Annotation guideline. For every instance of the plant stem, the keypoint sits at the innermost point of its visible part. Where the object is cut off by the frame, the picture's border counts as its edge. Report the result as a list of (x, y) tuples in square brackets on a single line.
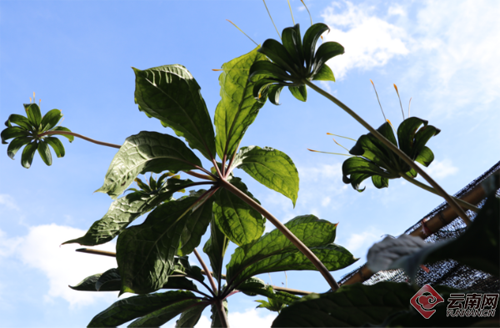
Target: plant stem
[(462, 203), (209, 274), (285, 231), (396, 150), (81, 137), (222, 313)]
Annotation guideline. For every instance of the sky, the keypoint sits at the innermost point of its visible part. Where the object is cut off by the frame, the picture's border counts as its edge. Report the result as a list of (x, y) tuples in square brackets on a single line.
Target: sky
[(77, 57)]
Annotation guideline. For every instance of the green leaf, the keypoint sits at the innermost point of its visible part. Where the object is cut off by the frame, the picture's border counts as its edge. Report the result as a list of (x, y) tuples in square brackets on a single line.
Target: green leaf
[(255, 286), (215, 248), (334, 257), (406, 133), (190, 317), (279, 55), (179, 283), (241, 223), (146, 152), (350, 306), (380, 182), (34, 115), (57, 145), (310, 39), (425, 157), (182, 266), (89, 284), (309, 229), (50, 119), (28, 153), (271, 167), (360, 169), (110, 277), (477, 247), (164, 315), (62, 128), (299, 92), (142, 185), (237, 108), (292, 42), (267, 69), (122, 212), (274, 94), (324, 74), (145, 253), (13, 132), (19, 120), (171, 94), (17, 144), (137, 306), (44, 152), (325, 52)]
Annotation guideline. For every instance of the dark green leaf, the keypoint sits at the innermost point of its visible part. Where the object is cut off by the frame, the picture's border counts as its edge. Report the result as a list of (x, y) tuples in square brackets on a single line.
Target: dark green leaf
[(299, 92), (110, 277), (62, 128), (89, 284), (237, 108), (146, 152), (350, 306), (17, 144), (254, 286), (121, 213), (309, 229), (271, 167), (19, 120), (164, 315), (171, 94), (57, 145), (180, 283), (268, 69), (380, 182), (215, 248), (28, 153), (292, 42), (50, 119), (421, 137), (324, 74), (34, 115), (325, 52), (13, 132), (182, 266), (152, 182), (241, 223), (359, 169), (142, 185), (279, 55), (44, 152), (310, 38), (191, 316), (406, 133), (137, 306), (274, 94), (425, 157), (145, 253)]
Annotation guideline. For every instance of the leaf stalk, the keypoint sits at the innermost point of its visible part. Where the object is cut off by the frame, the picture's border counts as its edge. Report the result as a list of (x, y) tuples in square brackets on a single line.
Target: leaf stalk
[(81, 137)]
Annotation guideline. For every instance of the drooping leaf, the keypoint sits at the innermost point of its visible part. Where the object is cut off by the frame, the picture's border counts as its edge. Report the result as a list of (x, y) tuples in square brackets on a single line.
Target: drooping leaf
[(279, 55), (146, 152), (350, 306), (145, 253), (28, 153), (19, 120), (311, 37), (123, 211), (309, 229), (62, 128), (300, 92), (13, 132), (171, 94), (215, 248), (292, 42), (57, 145), (190, 317), (325, 52), (241, 223), (167, 313), (89, 285), (237, 108), (110, 277), (477, 247), (17, 144), (44, 152), (271, 167), (324, 74), (137, 306)]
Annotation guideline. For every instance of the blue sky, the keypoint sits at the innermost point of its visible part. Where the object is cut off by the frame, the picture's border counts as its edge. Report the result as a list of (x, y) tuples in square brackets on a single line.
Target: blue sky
[(77, 57)]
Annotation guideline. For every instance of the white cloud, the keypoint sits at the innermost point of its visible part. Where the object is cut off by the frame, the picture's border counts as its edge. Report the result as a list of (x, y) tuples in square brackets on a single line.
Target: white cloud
[(8, 201), (441, 169), (369, 41), (62, 266), (363, 239)]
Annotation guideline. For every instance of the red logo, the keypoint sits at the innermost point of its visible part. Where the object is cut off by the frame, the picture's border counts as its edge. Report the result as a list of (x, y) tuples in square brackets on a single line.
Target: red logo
[(425, 300)]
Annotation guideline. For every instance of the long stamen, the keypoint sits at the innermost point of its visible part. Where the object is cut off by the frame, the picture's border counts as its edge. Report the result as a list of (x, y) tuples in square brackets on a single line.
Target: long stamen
[(307, 11), (242, 32), (409, 104), (271, 19), (331, 134), (379, 100), (325, 152), (339, 144), (400, 104), (291, 13)]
